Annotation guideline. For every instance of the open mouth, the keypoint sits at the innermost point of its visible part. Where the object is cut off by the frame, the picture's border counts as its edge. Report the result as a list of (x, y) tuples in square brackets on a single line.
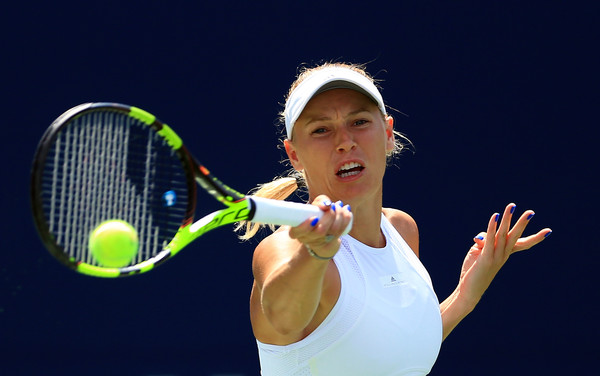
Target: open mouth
[(350, 169)]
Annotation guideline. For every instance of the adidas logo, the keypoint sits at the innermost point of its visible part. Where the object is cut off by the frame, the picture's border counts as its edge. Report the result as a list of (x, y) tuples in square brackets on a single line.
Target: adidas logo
[(390, 280)]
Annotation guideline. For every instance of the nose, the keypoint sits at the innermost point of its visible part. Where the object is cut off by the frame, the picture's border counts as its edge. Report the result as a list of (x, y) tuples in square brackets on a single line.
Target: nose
[(345, 140)]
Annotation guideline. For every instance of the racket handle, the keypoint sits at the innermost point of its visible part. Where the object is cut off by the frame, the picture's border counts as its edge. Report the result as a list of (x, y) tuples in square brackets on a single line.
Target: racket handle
[(280, 212)]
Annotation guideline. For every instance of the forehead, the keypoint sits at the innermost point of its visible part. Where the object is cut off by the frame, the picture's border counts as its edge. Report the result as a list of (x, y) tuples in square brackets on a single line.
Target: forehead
[(339, 99)]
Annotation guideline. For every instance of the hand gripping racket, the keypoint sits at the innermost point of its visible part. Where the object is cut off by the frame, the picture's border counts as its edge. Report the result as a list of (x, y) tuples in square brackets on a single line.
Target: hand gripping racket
[(101, 161)]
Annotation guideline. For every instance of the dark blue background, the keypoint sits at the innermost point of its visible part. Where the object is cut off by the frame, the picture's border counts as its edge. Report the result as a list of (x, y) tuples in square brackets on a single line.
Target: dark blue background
[(501, 99)]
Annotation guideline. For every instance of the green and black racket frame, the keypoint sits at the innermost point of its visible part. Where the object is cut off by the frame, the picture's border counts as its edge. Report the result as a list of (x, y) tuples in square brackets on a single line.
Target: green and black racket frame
[(103, 161)]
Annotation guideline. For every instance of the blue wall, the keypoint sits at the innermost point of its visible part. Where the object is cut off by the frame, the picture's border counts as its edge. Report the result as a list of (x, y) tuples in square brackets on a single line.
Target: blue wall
[(499, 97)]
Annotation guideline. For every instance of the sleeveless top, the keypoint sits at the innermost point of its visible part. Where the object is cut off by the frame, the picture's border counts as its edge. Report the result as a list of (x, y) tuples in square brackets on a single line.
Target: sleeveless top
[(386, 320)]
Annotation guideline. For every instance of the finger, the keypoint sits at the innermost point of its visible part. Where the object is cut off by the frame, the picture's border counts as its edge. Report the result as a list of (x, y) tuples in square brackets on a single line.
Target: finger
[(480, 239), (475, 250), (502, 235), (490, 236), (325, 237), (323, 202), (323, 226), (345, 219), (529, 241), (342, 218), (518, 229), (304, 228)]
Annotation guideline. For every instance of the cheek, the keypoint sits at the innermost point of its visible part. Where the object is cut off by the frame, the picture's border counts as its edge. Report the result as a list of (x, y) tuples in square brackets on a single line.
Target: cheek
[(381, 143), (315, 162), (311, 162)]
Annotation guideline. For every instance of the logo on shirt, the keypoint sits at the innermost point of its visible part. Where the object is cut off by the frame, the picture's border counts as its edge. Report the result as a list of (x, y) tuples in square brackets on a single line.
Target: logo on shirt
[(390, 280)]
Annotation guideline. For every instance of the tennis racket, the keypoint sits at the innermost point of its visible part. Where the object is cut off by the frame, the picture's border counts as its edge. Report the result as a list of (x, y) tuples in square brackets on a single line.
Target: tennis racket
[(102, 161)]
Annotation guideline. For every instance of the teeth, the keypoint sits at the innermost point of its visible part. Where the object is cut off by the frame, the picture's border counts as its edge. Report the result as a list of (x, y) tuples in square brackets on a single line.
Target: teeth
[(349, 166), (346, 174), (344, 170)]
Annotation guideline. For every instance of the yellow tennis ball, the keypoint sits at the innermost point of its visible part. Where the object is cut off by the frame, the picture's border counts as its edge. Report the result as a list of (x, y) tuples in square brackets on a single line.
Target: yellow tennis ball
[(114, 243)]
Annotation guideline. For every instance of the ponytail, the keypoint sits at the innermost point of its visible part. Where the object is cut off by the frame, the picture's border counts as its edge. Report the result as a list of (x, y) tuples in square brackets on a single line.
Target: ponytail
[(279, 189)]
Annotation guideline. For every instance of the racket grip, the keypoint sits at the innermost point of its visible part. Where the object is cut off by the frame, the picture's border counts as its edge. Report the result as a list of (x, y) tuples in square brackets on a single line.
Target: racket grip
[(278, 212)]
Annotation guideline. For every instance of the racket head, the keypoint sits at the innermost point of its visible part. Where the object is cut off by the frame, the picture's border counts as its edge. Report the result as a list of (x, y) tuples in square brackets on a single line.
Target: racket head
[(103, 161)]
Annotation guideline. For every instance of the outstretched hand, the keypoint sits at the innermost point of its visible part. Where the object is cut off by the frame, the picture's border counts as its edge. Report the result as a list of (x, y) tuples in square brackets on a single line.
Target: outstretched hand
[(322, 235), (491, 251)]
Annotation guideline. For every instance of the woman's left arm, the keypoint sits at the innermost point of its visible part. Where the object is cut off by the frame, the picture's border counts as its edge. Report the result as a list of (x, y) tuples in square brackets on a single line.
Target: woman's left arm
[(486, 257)]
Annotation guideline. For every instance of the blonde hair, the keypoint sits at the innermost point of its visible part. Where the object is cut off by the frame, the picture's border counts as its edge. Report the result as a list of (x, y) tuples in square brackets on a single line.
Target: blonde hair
[(283, 186)]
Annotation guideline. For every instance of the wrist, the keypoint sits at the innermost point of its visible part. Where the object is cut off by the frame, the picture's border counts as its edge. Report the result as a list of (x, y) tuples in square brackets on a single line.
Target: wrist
[(464, 302), (315, 255)]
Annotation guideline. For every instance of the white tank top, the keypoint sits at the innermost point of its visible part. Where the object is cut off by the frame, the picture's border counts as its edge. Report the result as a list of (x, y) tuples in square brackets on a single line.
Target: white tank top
[(386, 320)]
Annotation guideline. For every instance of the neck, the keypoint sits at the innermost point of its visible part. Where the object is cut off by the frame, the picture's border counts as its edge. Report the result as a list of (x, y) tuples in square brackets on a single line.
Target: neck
[(366, 210), (366, 227)]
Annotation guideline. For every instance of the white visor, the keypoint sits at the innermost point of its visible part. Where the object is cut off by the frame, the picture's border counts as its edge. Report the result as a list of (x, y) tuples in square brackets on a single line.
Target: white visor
[(323, 80)]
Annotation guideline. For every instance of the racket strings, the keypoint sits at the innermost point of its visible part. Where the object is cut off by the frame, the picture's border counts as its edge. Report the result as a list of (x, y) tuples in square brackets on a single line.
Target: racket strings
[(107, 165)]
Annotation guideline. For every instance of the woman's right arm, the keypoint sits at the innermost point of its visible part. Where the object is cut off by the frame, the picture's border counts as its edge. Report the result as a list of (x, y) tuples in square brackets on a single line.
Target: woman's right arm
[(294, 291)]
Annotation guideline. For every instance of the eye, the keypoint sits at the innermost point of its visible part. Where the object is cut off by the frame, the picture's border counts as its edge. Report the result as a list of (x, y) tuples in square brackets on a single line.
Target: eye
[(360, 122), (319, 130)]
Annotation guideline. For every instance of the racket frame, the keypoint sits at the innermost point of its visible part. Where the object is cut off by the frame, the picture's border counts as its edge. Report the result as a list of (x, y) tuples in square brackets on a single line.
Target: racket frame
[(239, 207)]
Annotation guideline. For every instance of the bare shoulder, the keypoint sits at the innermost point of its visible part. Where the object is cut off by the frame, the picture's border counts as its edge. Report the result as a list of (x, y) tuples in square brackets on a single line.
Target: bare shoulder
[(275, 249), (405, 225)]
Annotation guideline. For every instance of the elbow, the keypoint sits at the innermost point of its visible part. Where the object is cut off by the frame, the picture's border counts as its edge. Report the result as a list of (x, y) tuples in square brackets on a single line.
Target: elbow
[(287, 316), (286, 322)]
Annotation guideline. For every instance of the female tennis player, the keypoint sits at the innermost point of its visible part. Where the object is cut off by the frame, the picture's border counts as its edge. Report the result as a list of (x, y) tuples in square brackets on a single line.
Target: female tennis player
[(324, 303)]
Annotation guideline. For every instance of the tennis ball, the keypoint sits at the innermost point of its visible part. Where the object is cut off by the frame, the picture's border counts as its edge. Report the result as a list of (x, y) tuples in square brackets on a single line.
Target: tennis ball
[(114, 243)]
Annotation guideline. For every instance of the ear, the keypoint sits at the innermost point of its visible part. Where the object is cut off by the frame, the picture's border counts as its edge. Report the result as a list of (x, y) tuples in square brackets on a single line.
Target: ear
[(389, 131), (292, 155)]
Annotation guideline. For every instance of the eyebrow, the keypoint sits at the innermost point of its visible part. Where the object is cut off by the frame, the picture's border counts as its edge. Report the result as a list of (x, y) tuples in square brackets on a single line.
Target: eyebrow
[(325, 118)]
